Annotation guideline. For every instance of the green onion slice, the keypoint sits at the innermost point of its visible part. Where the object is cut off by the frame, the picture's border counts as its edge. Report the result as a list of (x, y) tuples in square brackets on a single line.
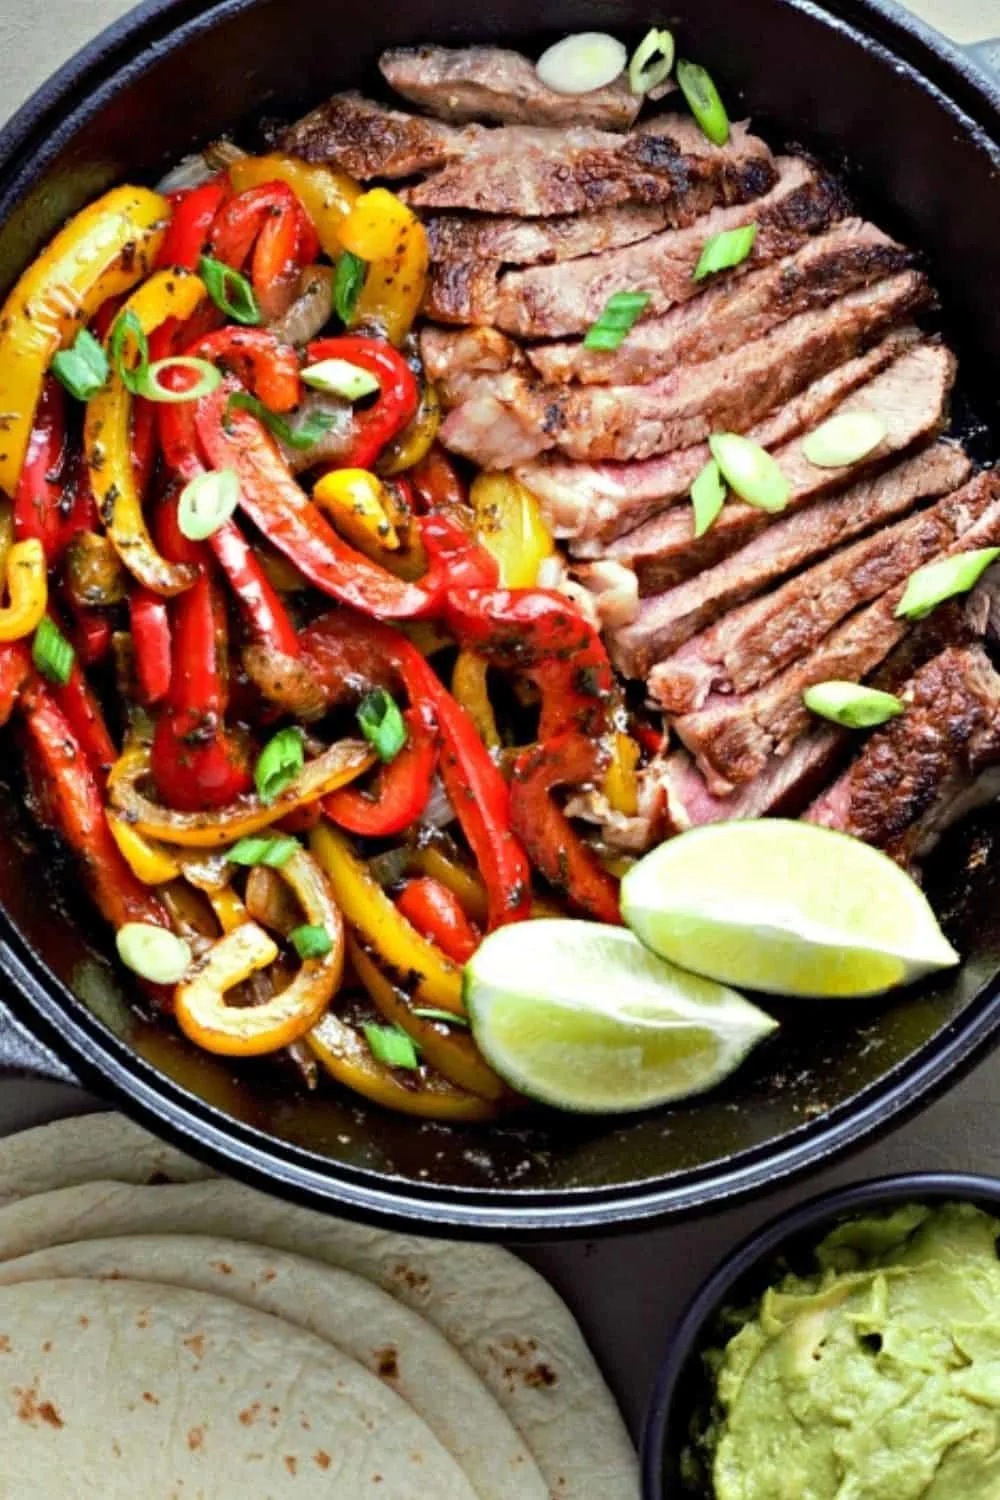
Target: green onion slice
[(844, 440), (279, 763), (52, 653), (229, 290), (705, 101), (725, 250), (581, 63), (207, 502), (306, 435), (652, 61), (128, 334), (391, 1045), (620, 315), (83, 368), (708, 496), (932, 584), (750, 471), (258, 849), (151, 380), (381, 723), (851, 705), (348, 279), (431, 1013), (154, 953), (310, 941), (340, 378)]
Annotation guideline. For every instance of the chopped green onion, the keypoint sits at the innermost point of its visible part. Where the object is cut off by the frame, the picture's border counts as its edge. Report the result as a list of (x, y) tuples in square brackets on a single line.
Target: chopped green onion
[(207, 502), (932, 584), (258, 849), (128, 329), (708, 496), (844, 440), (229, 290), (381, 723), (52, 653), (83, 368), (391, 1045), (279, 763), (306, 435), (340, 378), (725, 250), (310, 941), (431, 1013), (651, 61), (582, 63), (851, 705), (750, 471), (154, 953), (151, 380), (348, 279), (705, 101), (620, 315)]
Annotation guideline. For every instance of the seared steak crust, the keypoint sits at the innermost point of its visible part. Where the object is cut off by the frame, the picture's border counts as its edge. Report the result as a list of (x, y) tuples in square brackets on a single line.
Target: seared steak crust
[(458, 238), (368, 139)]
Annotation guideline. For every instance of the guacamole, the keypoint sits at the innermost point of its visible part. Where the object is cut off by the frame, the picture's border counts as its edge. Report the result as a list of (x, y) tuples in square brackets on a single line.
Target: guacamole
[(877, 1377)]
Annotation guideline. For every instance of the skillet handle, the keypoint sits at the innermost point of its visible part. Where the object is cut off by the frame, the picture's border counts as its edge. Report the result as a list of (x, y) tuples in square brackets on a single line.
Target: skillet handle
[(24, 1056)]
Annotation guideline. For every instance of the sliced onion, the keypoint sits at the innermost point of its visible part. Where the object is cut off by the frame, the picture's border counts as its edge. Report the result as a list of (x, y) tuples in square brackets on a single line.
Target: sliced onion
[(207, 503), (582, 63), (844, 440), (652, 61), (338, 377), (311, 310)]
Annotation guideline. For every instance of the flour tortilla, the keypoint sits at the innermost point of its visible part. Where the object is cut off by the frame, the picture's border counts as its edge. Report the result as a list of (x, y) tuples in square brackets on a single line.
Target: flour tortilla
[(343, 1309), (504, 1319), (117, 1389), (90, 1148)]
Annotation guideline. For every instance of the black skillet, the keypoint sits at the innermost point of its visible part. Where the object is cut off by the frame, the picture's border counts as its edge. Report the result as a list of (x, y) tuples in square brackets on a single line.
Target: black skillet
[(916, 127)]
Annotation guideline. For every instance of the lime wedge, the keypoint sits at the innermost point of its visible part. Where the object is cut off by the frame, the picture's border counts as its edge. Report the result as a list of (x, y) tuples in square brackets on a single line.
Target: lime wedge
[(787, 908), (583, 1017)]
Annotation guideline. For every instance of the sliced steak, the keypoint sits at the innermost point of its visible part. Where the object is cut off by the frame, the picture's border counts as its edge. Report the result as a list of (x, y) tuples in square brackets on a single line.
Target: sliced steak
[(550, 302), (594, 503), (682, 681), (733, 311), (457, 360), (368, 139), (459, 238), (930, 767), (785, 786), (492, 83), (911, 395)]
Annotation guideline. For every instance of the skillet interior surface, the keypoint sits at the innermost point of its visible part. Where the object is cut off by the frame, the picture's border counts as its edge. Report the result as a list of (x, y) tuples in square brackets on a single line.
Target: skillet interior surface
[(179, 74)]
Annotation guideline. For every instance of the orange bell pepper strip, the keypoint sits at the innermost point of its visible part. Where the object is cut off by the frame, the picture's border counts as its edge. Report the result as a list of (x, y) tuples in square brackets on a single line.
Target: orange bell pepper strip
[(103, 251), (326, 194)]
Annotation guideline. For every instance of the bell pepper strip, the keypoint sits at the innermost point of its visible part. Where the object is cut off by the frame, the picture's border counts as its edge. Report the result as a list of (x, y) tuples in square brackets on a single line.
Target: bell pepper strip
[(509, 524), (15, 670), (465, 884), (258, 359), (620, 786), (78, 701), (438, 488), (37, 498), (554, 846), (252, 1031), (355, 500), (107, 440), (91, 635), (228, 908), (437, 912), (276, 264), (417, 438), (402, 789), (397, 401), (456, 562), (192, 215), (469, 686), (149, 862), (394, 287), (239, 223), (372, 228), (338, 765), (27, 587), (258, 597), (151, 640), (326, 194), (104, 250)]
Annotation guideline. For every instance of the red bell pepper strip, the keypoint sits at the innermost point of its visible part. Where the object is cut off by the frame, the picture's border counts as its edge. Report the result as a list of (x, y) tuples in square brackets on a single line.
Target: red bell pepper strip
[(402, 788), (259, 361), (397, 401), (15, 670), (554, 846), (240, 221), (191, 221), (100, 323), (151, 641), (456, 561), (438, 485), (248, 580), (437, 913), (91, 634), (79, 703), (37, 500)]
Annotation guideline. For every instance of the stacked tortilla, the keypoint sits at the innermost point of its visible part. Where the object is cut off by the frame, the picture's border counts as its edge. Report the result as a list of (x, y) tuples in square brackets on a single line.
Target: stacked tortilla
[(195, 1338)]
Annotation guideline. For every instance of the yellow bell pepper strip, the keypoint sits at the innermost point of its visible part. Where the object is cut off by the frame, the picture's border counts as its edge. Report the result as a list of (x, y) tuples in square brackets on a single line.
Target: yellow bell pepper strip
[(449, 1049), (354, 499), (228, 908), (620, 785), (27, 585), (372, 228), (148, 862), (107, 436), (395, 284), (6, 534), (469, 686), (462, 881), (438, 983), (104, 251), (252, 1031), (509, 524), (341, 763), (347, 1058), (416, 439), (326, 194)]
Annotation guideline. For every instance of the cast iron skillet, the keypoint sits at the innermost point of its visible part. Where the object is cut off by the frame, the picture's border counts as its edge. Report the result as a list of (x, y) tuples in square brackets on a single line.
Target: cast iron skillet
[(916, 126)]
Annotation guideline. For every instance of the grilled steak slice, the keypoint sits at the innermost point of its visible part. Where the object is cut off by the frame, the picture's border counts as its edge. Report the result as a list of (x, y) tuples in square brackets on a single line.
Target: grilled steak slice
[(930, 767), (547, 302), (462, 361), (492, 83), (733, 738), (734, 311), (594, 503), (911, 395), (783, 789), (747, 645), (666, 621), (368, 139), (536, 242)]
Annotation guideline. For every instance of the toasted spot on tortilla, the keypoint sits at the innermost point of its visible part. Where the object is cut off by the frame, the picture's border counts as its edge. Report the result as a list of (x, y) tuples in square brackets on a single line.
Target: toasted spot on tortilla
[(196, 1438), (387, 1362), (323, 1460), (196, 1343)]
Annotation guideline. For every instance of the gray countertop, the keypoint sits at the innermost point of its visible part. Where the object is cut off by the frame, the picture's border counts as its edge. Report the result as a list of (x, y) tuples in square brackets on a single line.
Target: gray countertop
[(627, 1290)]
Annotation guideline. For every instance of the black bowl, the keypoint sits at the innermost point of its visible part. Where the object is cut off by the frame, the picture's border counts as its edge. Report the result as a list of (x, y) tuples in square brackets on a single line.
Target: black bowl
[(916, 127), (682, 1393)]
